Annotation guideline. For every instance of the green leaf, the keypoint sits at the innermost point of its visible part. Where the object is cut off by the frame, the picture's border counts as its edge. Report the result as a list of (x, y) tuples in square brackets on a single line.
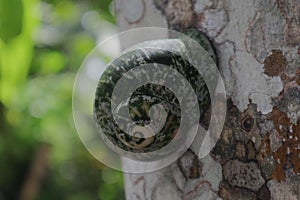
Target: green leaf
[(16, 54), (50, 62), (11, 15)]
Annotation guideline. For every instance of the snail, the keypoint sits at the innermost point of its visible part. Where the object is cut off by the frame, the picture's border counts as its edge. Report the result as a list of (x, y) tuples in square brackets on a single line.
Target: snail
[(154, 110)]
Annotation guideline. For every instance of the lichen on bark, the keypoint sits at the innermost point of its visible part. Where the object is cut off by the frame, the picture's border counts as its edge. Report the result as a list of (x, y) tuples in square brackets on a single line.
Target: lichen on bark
[(257, 45)]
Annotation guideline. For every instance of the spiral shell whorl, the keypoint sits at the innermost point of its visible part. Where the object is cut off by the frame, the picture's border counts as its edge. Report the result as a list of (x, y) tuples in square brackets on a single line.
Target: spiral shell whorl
[(151, 52)]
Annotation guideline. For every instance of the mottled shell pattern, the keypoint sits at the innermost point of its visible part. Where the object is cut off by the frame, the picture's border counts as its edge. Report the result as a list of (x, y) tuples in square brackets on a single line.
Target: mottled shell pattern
[(144, 137)]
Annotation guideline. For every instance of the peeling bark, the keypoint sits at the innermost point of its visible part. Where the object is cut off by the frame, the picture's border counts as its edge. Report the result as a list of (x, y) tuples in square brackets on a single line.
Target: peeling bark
[(257, 43)]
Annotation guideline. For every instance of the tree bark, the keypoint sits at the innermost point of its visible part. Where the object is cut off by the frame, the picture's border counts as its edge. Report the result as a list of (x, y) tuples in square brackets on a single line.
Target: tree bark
[(36, 174), (258, 154)]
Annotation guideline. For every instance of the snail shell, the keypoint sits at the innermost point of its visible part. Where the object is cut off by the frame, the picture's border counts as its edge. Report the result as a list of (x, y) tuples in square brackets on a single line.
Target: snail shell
[(144, 136)]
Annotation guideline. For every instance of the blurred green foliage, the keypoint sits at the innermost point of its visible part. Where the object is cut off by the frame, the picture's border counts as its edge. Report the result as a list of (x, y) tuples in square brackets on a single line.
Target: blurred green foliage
[(42, 45), (10, 26)]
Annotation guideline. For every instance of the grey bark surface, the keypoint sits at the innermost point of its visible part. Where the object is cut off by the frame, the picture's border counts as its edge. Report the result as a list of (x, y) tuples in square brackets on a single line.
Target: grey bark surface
[(258, 49)]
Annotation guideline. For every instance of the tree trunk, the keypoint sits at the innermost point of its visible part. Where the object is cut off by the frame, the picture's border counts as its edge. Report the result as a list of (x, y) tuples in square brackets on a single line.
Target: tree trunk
[(258, 154)]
